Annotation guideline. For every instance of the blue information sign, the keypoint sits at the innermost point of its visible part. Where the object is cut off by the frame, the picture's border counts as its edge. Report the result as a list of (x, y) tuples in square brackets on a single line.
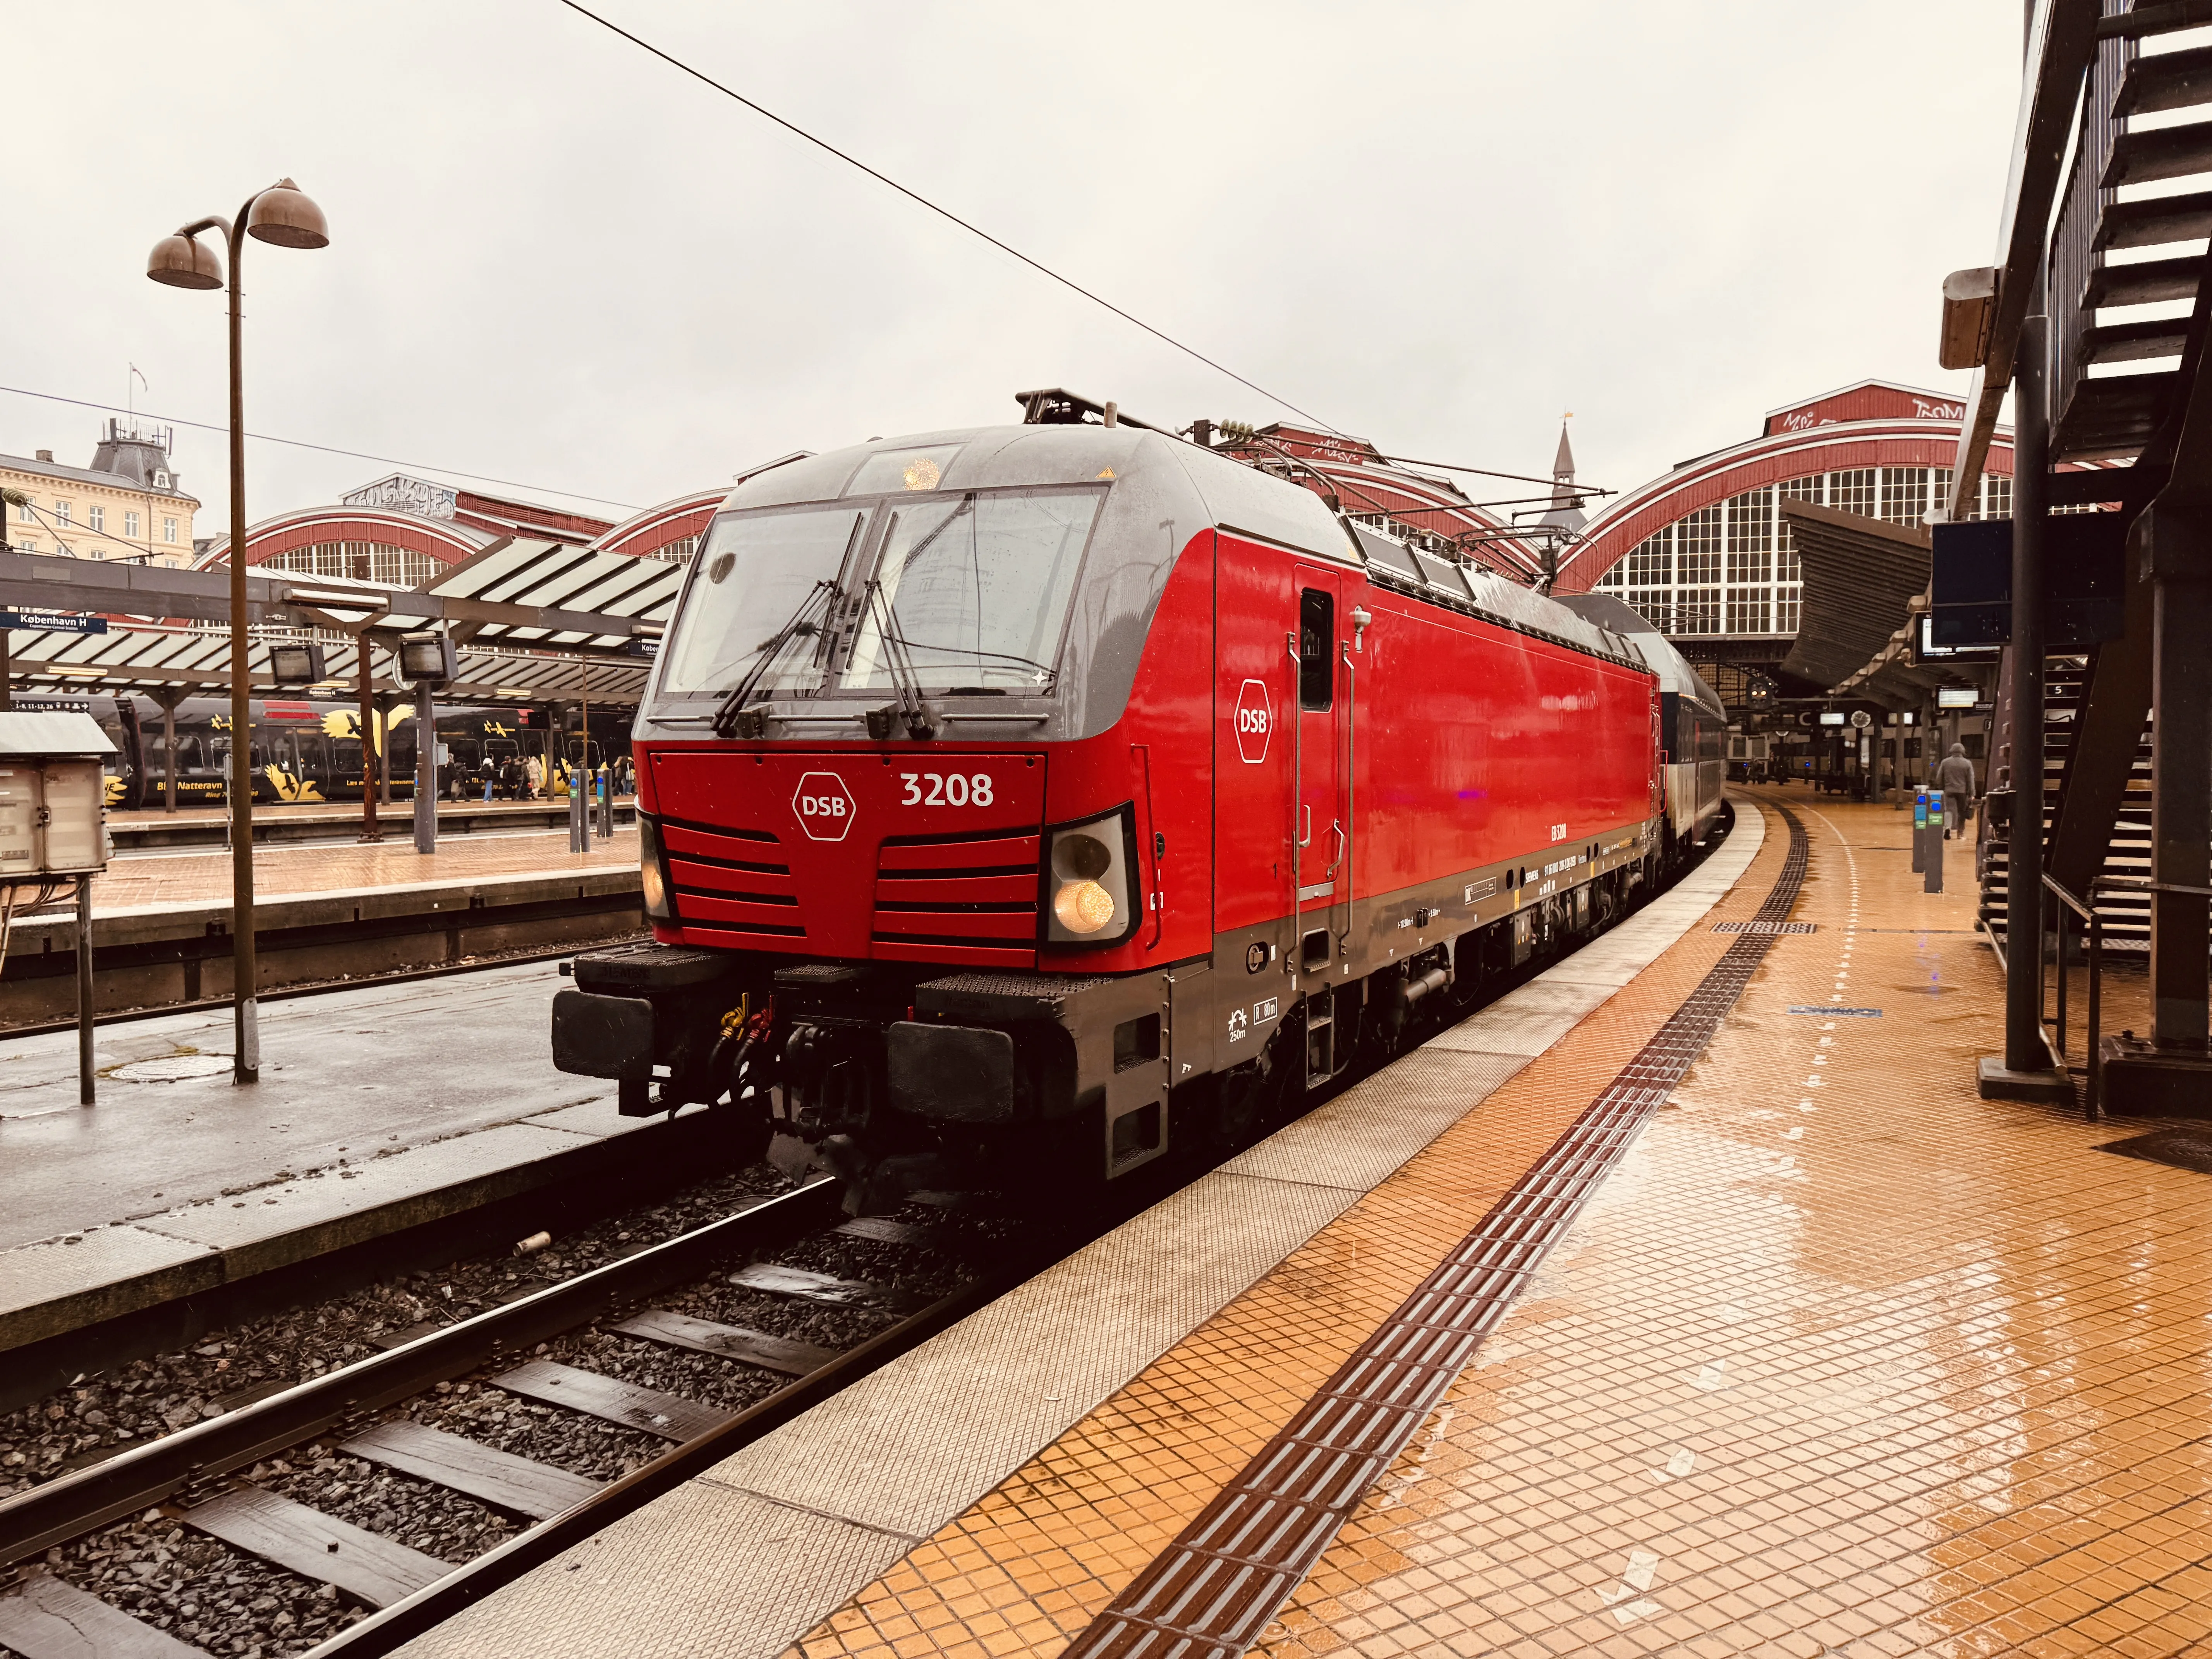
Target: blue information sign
[(54, 622)]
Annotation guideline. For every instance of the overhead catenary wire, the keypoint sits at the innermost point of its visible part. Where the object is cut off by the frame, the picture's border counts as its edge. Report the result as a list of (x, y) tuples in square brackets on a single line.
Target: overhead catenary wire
[(920, 200), (326, 449), (1517, 477)]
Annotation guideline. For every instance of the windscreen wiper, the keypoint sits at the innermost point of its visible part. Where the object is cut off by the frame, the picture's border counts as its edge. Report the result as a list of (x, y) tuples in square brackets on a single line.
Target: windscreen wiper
[(909, 710), (1048, 675), (732, 718)]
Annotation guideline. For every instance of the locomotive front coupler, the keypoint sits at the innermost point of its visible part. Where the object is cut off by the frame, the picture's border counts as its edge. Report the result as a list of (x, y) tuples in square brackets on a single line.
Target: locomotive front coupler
[(651, 1017)]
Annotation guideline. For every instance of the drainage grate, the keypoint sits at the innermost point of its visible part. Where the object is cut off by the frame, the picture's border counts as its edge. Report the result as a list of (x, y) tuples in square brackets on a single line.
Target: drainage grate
[(1212, 1591), (2185, 1149), (1766, 928)]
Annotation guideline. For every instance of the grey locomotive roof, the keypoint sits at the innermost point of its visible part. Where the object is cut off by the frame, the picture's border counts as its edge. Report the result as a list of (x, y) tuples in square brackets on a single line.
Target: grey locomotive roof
[(1673, 668), (1207, 487), (1164, 491)]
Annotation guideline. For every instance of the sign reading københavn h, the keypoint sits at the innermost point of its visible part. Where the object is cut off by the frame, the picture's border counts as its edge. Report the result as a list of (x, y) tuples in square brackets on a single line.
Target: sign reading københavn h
[(54, 622)]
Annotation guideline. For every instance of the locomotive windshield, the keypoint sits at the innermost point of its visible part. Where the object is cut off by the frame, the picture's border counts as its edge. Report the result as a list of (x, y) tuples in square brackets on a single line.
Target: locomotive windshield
[(973, 589), (754, 574)]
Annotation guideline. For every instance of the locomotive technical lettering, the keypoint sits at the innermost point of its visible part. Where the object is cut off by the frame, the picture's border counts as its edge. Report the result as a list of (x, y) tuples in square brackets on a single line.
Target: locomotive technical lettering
[(950, 956)]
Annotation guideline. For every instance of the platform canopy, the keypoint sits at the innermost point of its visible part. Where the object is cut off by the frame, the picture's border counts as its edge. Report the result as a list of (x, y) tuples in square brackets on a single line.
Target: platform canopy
[(158, 661), (535, 621), (1866, 581)]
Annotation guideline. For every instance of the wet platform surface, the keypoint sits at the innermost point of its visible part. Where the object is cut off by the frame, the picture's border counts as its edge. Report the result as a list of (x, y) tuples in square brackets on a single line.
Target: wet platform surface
[(354, 1075), (202, 876), (1156, 1357), (1842, 1359)]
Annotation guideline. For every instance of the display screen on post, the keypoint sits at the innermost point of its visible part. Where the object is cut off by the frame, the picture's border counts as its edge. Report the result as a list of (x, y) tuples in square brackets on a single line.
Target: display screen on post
[(1956, 696)]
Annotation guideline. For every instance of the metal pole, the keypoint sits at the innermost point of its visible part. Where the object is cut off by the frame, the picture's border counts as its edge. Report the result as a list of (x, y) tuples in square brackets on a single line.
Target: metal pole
[(169, 747), (246, 1029), (426, 768), (6, 700), (2023, 1047), (2059, 915), (370, 830), (2093, 1105), (2181, 785), (84, 1079)]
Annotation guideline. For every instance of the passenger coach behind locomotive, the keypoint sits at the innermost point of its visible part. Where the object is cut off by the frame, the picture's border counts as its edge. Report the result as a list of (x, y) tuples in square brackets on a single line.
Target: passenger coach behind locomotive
[(1693, 721), (1024, 797)]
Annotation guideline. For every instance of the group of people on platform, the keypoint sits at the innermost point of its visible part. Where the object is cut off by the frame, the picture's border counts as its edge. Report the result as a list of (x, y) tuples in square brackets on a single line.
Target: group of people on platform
[(523, 777)]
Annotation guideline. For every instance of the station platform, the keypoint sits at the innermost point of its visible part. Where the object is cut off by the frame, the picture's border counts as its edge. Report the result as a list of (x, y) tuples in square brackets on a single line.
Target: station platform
[(336, 821), (202, 876), (1828, 1356), (161, 921), (378, 1110)]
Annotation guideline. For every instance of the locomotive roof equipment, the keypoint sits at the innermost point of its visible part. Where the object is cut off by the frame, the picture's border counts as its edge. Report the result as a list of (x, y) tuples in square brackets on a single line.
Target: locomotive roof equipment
[(1018, 799)]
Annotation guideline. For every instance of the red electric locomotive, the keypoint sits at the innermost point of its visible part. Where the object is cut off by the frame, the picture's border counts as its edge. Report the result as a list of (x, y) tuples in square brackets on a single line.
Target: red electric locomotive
[(1036, 795)]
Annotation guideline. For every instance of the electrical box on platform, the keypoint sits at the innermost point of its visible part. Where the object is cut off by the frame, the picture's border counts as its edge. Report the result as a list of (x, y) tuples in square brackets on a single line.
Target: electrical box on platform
[(53, 795)]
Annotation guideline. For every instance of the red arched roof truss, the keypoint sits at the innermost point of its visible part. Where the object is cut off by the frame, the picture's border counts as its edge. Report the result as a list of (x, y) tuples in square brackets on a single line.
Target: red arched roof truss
[(289, 531), (648, 531), (1829, 449)]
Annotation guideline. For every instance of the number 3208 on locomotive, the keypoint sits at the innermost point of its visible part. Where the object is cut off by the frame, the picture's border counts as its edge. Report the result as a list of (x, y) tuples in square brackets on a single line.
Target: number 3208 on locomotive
[(1015, 801)]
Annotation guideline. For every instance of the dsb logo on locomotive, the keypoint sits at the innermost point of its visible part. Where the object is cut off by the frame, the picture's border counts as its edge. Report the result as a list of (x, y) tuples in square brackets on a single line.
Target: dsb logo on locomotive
[(1254, 718), (824, 806)]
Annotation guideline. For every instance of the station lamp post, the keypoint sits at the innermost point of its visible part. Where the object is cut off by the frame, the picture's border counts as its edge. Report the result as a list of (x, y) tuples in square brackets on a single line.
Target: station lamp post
[(282, 215)]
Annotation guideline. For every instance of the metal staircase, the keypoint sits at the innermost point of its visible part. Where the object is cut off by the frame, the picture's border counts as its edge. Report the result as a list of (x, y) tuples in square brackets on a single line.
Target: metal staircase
[(2125, 914)]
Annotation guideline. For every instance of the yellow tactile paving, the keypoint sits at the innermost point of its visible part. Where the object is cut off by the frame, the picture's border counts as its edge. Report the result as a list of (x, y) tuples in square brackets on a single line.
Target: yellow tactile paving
[(1844, 1360), (1023, 1571)]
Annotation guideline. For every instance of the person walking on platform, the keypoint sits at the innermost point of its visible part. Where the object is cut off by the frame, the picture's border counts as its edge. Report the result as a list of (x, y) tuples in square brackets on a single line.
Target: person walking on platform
[(534, 776), (1955, 778)]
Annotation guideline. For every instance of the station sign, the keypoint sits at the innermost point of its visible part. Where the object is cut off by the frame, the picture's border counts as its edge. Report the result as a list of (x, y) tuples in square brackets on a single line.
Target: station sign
[(1970, 583), (54, 622)]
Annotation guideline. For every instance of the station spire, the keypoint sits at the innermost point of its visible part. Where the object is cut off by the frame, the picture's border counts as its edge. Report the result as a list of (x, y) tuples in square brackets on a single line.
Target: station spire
[(1566, 513)]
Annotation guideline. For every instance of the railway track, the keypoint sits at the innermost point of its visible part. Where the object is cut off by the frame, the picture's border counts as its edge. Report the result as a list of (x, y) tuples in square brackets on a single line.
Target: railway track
[(222, 1481), (245, 1533)]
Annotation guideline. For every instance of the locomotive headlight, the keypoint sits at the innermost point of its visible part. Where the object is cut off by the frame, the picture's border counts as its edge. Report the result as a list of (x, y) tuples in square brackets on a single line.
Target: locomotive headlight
[(1088, 877), (651, 879), (1083, 907)]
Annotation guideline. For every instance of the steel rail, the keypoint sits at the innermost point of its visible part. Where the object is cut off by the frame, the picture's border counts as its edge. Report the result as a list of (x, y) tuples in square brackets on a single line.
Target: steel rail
[(393, 1626), (131, 1481)]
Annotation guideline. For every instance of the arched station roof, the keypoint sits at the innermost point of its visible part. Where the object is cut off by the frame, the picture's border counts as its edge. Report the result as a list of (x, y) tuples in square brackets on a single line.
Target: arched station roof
[(286, 532), (674, 523), (1874, 423), (348, 534)]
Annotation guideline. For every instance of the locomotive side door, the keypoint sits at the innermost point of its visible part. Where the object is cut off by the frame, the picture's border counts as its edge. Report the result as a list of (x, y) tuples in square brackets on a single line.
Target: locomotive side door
[(1323, 835), (1254, 695), (1279, 827)]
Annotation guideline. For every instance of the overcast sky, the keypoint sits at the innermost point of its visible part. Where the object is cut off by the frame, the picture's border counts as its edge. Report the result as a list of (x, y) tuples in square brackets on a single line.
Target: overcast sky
[(556, 261)]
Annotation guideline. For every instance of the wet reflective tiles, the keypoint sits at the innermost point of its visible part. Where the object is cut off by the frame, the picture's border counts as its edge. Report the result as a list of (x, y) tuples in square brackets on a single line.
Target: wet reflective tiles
[(1842, 1358), (1027, 1569)]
